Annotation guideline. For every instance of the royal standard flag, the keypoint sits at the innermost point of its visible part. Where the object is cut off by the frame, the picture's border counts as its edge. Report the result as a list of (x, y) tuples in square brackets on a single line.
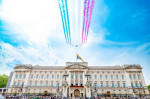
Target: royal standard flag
[(78, 57)]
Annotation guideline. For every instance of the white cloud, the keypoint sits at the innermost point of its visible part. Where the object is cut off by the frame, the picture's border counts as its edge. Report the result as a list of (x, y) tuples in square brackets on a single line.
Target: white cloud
[(35, 20)]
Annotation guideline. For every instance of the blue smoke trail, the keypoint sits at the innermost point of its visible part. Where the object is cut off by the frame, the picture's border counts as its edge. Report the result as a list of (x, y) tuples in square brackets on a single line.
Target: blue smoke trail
[(62, 20), (68, 23), (64, 15)]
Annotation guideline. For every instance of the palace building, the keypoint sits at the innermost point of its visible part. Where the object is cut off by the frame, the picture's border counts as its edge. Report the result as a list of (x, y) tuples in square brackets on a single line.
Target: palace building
[(77, 79)]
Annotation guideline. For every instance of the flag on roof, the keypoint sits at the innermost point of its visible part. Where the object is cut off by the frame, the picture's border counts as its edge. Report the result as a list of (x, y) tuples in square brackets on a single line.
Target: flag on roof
[(78, 57)]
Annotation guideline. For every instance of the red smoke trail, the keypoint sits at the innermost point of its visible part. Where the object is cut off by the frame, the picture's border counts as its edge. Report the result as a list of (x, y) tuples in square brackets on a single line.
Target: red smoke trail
[(87, 18), (91, 9), (84, 19)]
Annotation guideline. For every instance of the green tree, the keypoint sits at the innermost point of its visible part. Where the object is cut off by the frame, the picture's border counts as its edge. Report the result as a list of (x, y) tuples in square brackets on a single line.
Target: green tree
[(148, 87), (3, 80)]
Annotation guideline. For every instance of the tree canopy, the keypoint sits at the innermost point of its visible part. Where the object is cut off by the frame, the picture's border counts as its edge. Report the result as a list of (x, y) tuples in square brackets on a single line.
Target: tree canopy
[(148, 87), (3, 80)]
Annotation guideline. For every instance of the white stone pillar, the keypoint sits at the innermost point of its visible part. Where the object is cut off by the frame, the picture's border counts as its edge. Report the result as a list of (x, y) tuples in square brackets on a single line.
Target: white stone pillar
[(74, 78), (128, 81), (27, 79), (69, 78)]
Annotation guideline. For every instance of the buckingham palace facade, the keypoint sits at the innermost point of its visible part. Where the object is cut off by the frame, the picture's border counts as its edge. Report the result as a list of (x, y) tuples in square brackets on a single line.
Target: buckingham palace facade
[(77, 79)]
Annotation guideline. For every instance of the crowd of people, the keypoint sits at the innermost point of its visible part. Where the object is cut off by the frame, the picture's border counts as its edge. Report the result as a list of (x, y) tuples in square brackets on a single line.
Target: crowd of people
[(54, 97)]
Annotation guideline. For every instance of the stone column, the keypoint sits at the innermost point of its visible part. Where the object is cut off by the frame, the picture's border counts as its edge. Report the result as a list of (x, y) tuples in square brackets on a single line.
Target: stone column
[(74, 78), (128, 81), (27, 79), (69, 78)]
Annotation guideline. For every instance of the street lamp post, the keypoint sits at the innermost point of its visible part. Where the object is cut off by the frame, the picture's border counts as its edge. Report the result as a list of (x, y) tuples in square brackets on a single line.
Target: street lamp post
[(57, 90), (95, 90), (134, 92), (65, 92), (65, 76), (87, 75)]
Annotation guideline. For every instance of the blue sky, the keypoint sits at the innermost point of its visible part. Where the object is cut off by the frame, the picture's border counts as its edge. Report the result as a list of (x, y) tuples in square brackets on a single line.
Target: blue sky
[(31, 33)]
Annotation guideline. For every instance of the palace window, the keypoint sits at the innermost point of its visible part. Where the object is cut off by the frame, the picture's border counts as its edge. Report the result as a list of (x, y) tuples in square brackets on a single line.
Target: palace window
[(14, 83), (90, 76), (112, 77), (138, 76), (134, 77), (141, 85), (136, 85), (31, 76), (95, 84), (113, 85), (42, 76), (52, 76), (80, 76), (118, 84), (47, 76), (81, 84), (116, 76), (57, 84), (101, 84), (22, 83), (107, 85), (76, 76), (130, 77), (122, 77), (18, 84), (41, 84), (101, 76), (46, 84), (95, 76), (20, 76), (57, 76), (51, 84), (16, 76), (30, 84), (106, 76), (72, 76), (35, 83), (132, 85), (24, 76), (36, 76), (124, 85)]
